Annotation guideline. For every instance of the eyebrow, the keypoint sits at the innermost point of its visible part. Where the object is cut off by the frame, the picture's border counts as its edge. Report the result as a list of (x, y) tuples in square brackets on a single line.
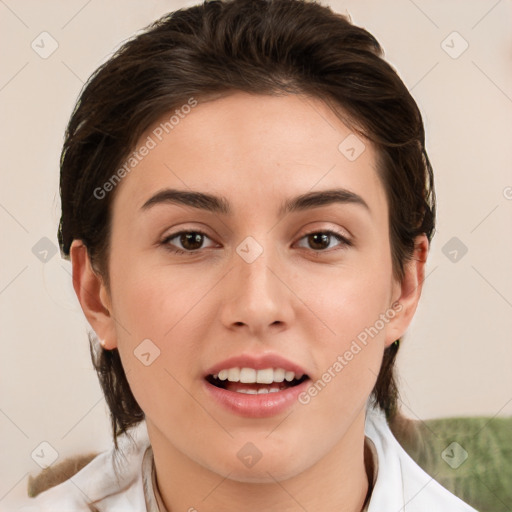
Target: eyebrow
[(219, 204)]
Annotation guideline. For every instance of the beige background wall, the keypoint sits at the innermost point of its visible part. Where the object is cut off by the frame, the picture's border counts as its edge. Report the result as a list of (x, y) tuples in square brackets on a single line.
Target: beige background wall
[(457, 357)]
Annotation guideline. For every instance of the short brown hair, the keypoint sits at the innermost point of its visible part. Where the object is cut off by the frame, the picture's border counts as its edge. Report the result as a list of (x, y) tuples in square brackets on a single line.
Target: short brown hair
[(258, 46)]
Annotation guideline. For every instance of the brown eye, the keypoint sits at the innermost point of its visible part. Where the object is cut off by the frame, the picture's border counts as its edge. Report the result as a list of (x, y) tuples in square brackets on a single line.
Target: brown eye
[(186, 242), (191, 241), (321, 240)]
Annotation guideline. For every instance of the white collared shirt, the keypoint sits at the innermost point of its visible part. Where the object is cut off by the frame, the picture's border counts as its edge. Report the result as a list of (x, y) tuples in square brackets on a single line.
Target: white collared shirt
[(401, 485)]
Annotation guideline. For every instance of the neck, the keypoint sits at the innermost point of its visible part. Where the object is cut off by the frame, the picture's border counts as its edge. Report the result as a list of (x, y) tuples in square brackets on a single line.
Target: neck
[(337, 482)]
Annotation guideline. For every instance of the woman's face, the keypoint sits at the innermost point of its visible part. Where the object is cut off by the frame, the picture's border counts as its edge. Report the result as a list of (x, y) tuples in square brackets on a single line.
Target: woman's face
[(241, 272)]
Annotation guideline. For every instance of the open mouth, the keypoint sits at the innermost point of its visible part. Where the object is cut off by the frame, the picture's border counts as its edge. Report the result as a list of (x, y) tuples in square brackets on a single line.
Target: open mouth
[(254, 382)]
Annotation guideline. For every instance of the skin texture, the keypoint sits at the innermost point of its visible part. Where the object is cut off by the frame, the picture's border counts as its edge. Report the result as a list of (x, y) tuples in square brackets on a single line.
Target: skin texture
[(297, 299)]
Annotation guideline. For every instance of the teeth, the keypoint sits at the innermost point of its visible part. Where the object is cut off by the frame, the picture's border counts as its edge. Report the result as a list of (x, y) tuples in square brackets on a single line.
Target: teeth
[(260, 391), (247, 375), (279, 374), (234, 374), (265, 376), (252, 376)]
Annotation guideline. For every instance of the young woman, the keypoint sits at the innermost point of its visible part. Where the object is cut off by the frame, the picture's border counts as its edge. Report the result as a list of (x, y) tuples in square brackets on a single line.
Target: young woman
[(248, 204)]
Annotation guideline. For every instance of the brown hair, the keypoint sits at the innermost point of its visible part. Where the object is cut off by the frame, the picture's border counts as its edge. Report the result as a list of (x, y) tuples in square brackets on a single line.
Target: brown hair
[(259, 46)]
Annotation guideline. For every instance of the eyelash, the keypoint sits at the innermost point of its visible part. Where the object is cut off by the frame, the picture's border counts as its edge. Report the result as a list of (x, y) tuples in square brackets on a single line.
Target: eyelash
[(165, 242)]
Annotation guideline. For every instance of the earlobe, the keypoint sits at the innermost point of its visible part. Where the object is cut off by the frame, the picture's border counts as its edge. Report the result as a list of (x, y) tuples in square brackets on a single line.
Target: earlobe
[(409, 291), (93, 295)]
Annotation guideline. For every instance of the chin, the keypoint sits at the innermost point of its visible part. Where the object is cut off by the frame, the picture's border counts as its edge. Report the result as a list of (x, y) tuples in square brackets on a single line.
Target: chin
[(263, 474), (254, 467)]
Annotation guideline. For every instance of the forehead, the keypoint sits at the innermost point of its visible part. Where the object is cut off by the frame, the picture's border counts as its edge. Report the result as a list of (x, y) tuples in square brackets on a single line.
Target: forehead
[(252, 147)]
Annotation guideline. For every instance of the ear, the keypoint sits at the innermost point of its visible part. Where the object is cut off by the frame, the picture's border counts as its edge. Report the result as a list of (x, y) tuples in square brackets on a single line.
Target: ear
[(93, 295), (406, 294)]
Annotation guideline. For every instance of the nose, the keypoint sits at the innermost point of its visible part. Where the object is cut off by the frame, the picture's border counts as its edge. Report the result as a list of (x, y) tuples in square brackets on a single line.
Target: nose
[(257, 297)]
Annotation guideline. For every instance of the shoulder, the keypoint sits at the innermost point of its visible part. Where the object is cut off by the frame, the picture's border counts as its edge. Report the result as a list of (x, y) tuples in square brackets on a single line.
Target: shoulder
[(108, 481), (401, 483), (468, 455), (55, 475)]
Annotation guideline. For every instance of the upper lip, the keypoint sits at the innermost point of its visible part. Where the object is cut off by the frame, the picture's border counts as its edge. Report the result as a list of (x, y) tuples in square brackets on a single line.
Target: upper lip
[(258, 362)]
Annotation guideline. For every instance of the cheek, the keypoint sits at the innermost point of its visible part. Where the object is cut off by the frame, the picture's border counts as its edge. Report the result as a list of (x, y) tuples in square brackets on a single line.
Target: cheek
[(356, 313), (156, 314), (354, 302), (152, 301)]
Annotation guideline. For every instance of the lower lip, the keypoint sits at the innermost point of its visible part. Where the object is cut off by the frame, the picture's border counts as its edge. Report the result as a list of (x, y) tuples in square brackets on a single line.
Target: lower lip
[(263, 405)]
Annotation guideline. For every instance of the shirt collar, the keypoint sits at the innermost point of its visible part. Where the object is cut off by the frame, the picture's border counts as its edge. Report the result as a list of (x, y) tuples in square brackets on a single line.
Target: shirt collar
[(154, 502)]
